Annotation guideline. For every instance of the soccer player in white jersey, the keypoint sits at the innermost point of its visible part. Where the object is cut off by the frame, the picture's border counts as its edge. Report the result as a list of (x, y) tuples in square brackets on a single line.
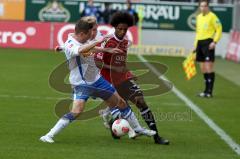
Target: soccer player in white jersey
[(87, 82)]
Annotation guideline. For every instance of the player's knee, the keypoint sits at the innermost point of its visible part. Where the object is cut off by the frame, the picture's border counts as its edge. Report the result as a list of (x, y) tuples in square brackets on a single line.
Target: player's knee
[(121, 103), (203, 70), (140, 102), (76, 112), (77, 108)]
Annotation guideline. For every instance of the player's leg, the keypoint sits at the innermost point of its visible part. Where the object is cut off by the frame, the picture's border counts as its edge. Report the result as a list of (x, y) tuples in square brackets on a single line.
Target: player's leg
[(148, 117), (64, 121), (209, 69), (129, 90), (106, 116), (80, 96), (118, 106), (206, 65), (205, 76), (210, 77), (200, 58), (118, 109), (128, 114)]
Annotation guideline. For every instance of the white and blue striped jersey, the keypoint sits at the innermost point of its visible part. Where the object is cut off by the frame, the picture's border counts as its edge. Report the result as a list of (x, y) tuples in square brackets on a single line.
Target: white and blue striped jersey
[(83, 70)]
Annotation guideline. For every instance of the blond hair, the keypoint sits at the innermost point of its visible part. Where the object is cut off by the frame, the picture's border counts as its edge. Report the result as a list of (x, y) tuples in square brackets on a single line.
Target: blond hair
[(85, 24), (90, 19)]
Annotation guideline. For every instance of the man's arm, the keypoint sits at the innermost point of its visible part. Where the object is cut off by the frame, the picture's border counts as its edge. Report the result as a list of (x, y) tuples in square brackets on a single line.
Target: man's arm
[(102, 65), (97, 49), (195, 40), (88, 49), (218, 34), (75, 50), (218, 28)]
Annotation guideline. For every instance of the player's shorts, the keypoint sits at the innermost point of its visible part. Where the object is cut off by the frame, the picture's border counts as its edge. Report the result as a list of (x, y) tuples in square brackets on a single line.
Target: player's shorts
[(203, 52), (100, 89), (128, 90)]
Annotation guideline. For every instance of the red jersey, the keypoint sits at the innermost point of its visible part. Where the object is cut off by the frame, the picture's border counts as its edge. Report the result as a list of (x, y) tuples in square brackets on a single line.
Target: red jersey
[(116, 60)]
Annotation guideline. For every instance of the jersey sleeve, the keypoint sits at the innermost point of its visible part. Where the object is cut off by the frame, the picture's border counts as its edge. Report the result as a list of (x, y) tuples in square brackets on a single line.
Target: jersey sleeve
[(71, 49), (218, 27), (195, 40)]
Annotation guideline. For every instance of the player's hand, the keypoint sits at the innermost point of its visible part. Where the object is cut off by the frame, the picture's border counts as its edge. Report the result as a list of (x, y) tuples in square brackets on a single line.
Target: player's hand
[(114, 51), (59, 48), (103, 39), (212, 46), (194, 50)]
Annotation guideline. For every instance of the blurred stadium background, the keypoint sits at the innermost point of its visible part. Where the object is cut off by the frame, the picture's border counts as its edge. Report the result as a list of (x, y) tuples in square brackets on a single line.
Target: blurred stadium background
[(30, 29), (173, 20)]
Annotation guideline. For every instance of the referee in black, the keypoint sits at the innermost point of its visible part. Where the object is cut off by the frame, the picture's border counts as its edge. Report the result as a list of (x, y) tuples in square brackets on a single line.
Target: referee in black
[(208, 33)]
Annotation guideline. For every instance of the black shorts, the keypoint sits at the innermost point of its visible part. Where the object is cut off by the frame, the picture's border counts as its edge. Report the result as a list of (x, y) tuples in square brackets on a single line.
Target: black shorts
[(128, 90), (203, 52)]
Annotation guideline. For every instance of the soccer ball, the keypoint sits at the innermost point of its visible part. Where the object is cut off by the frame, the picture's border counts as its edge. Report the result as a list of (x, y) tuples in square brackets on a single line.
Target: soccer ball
[(120, 127)]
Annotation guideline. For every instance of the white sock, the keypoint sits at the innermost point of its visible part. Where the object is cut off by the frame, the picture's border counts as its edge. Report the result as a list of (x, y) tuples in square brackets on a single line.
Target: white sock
[(115, 112), (59, 126), (133, 121), (106, 111)]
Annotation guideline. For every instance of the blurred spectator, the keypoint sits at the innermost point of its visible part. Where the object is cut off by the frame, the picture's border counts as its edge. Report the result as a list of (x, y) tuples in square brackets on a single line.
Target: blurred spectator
[(131, 11), (225, 1), (107, 13), (91, 10), (196, 1)]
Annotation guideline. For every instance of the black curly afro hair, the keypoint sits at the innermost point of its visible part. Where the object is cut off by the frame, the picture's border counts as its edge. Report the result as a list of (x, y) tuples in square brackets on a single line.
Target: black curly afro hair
[(122, 17)]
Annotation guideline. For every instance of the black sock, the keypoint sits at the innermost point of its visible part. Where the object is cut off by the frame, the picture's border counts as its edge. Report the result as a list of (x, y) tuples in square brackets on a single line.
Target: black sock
[(206, 75), (149, 119), (211, 82)]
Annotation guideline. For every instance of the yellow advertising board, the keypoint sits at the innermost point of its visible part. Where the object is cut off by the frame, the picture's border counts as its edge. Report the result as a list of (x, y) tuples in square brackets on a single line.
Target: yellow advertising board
[(163, 50), (12, 9)]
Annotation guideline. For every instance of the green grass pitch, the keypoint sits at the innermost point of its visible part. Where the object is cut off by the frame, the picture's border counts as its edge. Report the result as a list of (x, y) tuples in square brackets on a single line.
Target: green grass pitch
[(27, 112)]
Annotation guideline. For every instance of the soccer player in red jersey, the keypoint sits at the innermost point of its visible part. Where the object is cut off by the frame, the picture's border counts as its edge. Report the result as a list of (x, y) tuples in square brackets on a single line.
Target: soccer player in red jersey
[(113, 68)]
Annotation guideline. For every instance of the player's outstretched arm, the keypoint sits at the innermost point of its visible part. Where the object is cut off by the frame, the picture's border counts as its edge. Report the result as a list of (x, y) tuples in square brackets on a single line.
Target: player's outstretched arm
[(92, 47), (107, 50), (102, 65), (88, 49)]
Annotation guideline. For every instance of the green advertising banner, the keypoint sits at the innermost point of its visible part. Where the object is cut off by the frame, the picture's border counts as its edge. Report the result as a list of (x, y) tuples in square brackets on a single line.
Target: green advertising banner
[(164, 16)]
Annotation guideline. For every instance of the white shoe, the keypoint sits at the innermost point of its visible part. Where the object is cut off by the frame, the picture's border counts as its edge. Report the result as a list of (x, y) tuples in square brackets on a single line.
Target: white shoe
[(205, 95), (131, 133), (105, 116), (106, 125), (202, 94), (146, 132), (47, 139)]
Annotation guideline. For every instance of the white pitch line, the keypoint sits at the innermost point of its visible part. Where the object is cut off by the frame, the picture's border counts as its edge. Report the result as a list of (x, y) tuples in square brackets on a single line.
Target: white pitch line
[(29, 97), (219, 131), (40, 97), (172, 104)]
